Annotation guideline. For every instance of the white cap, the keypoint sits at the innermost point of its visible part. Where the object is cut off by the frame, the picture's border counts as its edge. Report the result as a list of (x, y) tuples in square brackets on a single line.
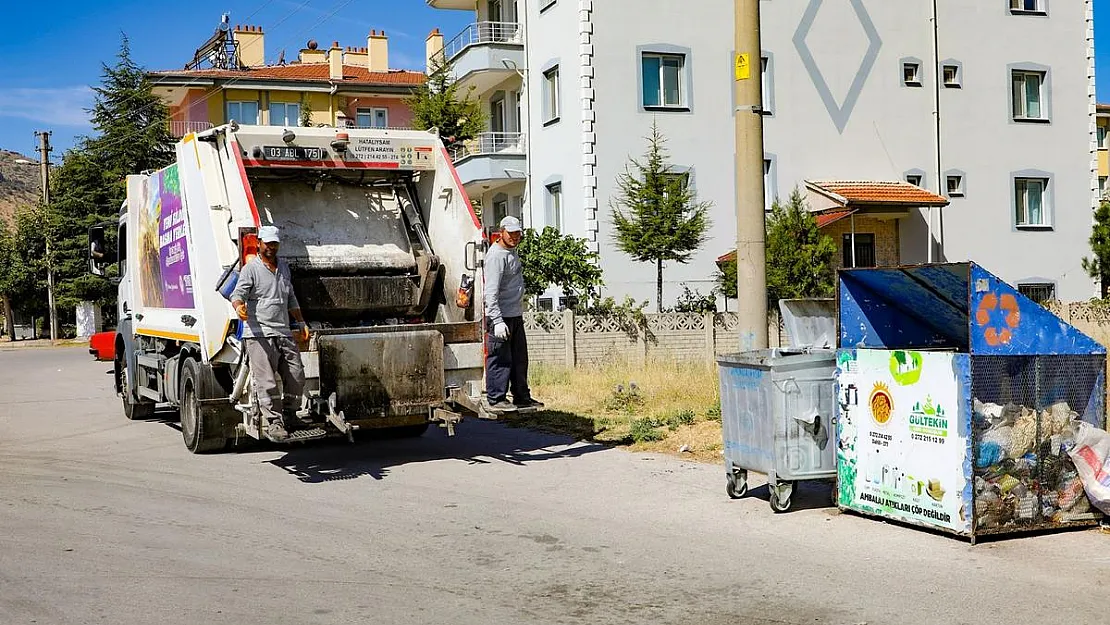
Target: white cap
[(269, 234), (511, 224)]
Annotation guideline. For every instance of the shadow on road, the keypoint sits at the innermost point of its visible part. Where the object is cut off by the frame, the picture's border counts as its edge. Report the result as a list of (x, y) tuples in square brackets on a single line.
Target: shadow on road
[(476, 442), (811, 495)]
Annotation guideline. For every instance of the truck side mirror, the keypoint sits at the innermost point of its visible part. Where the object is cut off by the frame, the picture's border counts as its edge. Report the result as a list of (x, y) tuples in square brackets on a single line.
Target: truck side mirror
[(100, 256)]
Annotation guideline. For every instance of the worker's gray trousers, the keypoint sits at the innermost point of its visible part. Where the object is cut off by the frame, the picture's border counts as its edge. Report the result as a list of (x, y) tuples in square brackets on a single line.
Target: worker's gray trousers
[(271, 357)]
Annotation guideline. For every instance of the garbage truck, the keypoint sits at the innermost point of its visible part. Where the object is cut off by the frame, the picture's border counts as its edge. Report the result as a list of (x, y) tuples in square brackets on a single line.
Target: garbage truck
[(384, 250)]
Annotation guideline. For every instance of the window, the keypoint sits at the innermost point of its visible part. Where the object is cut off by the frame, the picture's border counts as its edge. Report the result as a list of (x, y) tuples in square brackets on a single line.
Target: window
[(954, 185), (1040, 292), (865, 250), (1028, 95), (1101, 185), (911, 74), (500, 210), (1102, 137), (682, 179), (914, 179), (663, 76), (554, 206), (768, 85), (768, 185), (568, 302), (1027, 6), (546, 4), (951, 76), (545, 304), (372, 118), (284, 114), (551, 95), (1029, 196), (243, 112)]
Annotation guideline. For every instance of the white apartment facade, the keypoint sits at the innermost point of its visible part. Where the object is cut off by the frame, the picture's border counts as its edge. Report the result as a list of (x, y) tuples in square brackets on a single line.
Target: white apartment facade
[(993, 109)]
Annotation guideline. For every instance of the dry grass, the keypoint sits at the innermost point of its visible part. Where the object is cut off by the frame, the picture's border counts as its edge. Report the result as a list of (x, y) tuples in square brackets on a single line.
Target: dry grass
[(631, 404)]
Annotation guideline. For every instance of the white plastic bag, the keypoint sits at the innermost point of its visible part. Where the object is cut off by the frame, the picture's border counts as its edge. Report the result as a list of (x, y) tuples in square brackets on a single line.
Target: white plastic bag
[(1091, 455)]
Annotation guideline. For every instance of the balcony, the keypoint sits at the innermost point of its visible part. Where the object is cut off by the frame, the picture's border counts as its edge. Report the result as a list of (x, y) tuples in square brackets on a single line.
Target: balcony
[(485, 54), (180, 129), (459, 5), (491, 157)]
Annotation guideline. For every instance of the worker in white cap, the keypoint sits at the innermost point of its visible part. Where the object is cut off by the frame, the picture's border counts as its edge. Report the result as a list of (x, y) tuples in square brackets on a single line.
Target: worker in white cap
[(506, 348), (264, 300)]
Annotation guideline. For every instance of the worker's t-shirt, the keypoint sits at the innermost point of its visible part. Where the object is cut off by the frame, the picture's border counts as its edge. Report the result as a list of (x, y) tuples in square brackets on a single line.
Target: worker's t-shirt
[(269, 297), (504, 276)]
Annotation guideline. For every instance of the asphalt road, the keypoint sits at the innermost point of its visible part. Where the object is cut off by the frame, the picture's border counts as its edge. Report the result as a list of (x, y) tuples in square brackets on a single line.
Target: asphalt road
[(108, 521)]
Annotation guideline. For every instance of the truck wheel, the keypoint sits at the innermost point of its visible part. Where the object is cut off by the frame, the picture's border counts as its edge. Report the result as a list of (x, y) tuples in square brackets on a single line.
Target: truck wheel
[(193, 428), (133, 410)]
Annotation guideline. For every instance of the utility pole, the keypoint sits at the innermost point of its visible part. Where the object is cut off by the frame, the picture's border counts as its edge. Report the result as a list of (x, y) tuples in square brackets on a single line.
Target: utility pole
[(44, 164), (751, 255)]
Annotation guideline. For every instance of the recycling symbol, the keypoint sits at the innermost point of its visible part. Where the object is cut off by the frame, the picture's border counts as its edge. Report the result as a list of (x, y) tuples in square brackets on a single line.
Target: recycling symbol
[(987, 313)]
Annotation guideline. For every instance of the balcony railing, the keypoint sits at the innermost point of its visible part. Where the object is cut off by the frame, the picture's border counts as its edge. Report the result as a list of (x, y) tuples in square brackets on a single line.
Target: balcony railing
[(484, 33), (180, 129), (490, 143)]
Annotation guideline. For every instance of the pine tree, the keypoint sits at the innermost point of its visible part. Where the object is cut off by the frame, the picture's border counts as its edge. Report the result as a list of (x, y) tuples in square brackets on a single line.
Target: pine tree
[(1099, 265), (656, 215), (438, 103), (89, 186), (799, 255)]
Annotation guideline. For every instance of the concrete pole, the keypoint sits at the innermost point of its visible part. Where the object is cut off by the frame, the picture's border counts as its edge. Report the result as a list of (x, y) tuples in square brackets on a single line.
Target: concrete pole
[(751, 268), (44, 163)]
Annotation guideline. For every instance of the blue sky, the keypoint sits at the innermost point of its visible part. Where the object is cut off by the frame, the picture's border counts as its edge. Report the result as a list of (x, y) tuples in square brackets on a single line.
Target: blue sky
[(52, 51)]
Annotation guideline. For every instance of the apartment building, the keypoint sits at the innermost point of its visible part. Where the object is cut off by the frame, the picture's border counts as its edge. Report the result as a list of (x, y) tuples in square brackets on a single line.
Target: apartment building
[(1103, 127), (231, 78), (918, 131)]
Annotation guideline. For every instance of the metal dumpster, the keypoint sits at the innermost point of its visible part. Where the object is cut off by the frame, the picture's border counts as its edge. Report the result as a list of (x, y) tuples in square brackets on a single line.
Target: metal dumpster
[(778, 405)]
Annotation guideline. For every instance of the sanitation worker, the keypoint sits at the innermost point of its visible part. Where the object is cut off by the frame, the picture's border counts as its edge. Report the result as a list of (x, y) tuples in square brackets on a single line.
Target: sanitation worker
[(506, 347), (264, 300)]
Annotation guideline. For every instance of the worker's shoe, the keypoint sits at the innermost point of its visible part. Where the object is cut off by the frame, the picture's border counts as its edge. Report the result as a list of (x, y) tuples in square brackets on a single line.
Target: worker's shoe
[(529, 404), (276, 432), (500, 407)]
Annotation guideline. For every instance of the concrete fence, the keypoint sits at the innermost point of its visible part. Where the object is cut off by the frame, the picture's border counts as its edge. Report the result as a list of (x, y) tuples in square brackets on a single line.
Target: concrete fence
[(564, 338), (568, 339)]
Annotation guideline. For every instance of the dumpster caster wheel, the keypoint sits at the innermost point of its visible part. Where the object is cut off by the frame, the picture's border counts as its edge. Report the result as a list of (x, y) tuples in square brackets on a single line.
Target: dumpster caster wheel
[(737, 485), (780, 497)]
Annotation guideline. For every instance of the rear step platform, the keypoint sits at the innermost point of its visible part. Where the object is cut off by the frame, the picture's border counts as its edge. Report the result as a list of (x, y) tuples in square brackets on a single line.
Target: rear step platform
[(303, 435)]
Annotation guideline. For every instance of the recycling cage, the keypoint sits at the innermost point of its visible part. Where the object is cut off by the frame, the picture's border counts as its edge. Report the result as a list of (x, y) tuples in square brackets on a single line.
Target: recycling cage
[(777, 405), (957, 400)]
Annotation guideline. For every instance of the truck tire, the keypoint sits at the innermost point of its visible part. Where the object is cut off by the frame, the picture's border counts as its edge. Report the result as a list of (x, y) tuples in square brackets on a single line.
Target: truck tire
[(194, 387), (132, 409)]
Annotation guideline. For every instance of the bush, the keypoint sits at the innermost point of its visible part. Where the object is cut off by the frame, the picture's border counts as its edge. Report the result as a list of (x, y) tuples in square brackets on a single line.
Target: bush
[(684, 417), (625, 399), (695, 302), (644, 431), (714, 413)]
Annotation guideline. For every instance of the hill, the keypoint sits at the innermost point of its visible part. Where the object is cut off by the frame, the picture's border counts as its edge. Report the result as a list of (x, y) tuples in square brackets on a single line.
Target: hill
[(19, 182)]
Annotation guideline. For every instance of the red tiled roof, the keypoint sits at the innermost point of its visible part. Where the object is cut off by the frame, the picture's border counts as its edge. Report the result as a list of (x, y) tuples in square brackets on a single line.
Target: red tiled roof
[(872, 192), (828, 218), (727, 257), (352, 74)]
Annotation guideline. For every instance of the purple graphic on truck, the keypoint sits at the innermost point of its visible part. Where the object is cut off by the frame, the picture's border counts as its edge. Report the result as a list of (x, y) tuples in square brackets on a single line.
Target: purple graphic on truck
[(176, 276)]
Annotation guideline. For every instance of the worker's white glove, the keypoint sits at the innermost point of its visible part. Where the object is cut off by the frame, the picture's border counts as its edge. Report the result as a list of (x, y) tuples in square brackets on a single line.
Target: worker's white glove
[(500, 330)]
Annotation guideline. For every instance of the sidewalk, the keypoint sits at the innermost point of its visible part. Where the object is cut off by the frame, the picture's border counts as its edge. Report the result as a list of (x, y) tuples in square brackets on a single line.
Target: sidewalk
[(7, 345)]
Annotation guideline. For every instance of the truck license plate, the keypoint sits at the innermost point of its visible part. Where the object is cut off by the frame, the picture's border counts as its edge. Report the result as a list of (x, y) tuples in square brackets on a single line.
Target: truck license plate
[(293, 153)]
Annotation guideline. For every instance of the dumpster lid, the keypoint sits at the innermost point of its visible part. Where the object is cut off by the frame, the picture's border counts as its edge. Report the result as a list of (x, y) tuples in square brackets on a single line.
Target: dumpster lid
[(809, 322)]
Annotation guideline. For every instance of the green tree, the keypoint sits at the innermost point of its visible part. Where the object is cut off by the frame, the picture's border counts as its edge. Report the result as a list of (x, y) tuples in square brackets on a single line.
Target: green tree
[(551, 258), (90, 184), (656, 214), (22, 275), (799, 255), (440, 103), (1098, 266), (726, 278)]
